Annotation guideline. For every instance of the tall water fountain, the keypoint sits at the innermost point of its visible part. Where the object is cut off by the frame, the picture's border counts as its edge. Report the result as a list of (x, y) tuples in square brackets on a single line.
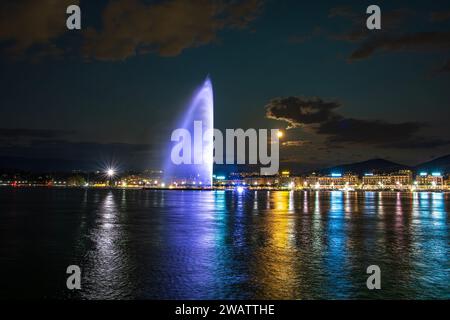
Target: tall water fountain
[(198, 121)]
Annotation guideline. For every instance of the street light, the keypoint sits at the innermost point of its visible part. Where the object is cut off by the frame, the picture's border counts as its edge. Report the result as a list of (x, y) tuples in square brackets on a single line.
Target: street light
[(110, 172)]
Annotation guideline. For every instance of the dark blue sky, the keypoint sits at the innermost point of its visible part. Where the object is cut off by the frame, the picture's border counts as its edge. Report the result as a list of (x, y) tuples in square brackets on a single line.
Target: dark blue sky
[(82, 94)]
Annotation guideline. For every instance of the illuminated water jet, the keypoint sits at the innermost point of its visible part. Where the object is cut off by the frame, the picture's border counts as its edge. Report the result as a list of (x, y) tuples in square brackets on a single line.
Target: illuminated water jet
[(200, 112)]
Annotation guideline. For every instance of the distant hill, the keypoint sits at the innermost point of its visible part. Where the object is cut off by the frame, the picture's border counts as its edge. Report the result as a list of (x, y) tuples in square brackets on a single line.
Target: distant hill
[(441, 164), (373, 165)]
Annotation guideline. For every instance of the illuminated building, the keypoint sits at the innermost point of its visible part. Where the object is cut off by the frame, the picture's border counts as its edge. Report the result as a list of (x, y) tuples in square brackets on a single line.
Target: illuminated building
[(332, 181), (281, 181), (433, 180), (397, 180), (262, 182), (339, 181), (310, 180)]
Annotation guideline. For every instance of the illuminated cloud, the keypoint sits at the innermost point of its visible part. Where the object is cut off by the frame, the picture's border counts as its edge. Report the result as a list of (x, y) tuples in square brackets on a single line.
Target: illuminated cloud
[(295, 143), (297, 111), (323, 120)]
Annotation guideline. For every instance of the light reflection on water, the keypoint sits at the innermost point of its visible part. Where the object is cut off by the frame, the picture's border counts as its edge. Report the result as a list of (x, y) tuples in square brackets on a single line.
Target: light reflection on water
[(224, 245)]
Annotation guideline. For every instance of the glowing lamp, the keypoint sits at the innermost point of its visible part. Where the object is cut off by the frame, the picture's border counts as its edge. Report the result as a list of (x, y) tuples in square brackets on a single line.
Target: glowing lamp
[(436, 174), (336, 175)]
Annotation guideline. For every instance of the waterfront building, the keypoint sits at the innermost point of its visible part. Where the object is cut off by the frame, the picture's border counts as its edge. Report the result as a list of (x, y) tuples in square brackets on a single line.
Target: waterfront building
[(284, 180), (332, 181), (134, 181), (262, 182), (433, 180), (229, 183), (401, 180), (311, 180)]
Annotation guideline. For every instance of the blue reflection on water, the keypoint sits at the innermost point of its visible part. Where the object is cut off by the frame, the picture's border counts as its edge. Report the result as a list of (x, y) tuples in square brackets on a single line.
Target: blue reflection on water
[(336, 253)]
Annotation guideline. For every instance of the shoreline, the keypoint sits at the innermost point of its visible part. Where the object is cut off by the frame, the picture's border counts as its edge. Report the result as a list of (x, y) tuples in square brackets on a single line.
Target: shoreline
[(218, 189)]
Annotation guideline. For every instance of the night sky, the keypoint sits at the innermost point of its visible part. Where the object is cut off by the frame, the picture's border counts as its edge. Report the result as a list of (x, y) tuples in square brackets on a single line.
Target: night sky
[(114, 89)]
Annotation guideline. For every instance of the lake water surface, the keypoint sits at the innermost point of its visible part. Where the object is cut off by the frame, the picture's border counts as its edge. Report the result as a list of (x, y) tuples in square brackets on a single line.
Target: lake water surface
[(150, 244)]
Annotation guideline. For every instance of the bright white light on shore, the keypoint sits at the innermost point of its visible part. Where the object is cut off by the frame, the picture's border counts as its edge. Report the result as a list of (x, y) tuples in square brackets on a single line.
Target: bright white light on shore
[(110, 172), (240, 189)]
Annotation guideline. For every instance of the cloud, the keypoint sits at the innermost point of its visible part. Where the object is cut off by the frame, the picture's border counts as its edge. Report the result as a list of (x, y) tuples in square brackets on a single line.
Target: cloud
[(297, 111), (369, 132), (440, 16), (33, 133), (323, 119), (391, 37), (391, 20), (29, 23), (445, 67), (241, 13), (413, 41), (131, 27)]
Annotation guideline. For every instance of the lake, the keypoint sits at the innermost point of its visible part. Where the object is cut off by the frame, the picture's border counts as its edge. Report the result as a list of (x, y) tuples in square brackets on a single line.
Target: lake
[(156, 244)]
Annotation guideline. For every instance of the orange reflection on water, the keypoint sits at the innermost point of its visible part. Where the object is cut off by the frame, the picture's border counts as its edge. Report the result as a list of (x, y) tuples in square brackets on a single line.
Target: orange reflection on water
[(277, 268)]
